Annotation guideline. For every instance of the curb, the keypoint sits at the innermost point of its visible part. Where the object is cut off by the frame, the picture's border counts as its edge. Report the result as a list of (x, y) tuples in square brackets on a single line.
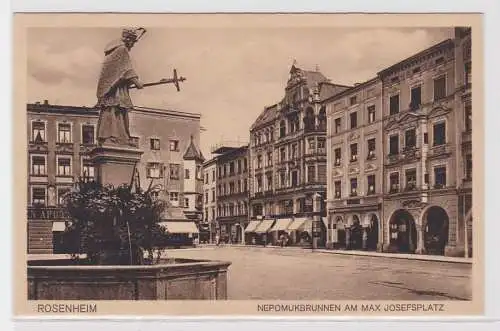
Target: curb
[(416, 257)]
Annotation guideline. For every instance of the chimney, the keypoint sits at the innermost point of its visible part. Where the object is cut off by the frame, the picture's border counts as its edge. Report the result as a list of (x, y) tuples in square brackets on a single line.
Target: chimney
[(45, 102)]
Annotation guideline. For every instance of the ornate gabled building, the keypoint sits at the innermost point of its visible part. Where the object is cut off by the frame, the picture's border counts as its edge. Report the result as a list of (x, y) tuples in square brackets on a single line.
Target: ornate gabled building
[(288, 159), (193, 182)]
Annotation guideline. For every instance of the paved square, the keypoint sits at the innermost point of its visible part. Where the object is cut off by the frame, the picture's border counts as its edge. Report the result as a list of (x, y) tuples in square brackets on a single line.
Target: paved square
[(292, 274)]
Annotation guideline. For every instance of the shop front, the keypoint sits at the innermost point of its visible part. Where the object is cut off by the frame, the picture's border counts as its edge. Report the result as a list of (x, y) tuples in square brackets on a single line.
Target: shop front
[(262, 231), (250, 235), (279, 232)]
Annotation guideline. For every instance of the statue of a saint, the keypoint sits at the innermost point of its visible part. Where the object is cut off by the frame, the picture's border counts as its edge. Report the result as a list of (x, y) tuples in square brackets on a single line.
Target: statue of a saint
[(113, 99)]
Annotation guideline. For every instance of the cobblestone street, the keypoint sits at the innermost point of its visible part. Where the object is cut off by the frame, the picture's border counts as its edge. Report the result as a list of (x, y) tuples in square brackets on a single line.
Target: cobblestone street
[(290, 274)]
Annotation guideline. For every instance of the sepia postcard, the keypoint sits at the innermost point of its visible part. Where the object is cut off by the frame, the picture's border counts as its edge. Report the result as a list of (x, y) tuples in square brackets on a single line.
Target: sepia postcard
[(313, 165)]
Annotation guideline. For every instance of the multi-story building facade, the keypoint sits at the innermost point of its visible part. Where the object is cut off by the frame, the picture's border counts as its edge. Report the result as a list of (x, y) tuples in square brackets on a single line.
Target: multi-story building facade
[(355, 171), (59, 140), (210, 197), (288, 159), (232, 192), (423, 156)]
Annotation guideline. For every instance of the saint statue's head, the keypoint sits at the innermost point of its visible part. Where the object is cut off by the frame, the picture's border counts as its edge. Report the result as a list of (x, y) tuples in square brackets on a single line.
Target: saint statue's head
[(129, 37)]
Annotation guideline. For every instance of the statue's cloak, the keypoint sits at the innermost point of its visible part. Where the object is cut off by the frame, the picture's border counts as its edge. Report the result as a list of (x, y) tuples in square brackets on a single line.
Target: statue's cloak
[(115, 77)]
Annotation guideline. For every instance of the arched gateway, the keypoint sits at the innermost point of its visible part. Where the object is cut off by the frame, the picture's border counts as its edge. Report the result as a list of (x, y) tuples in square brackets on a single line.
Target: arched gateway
[(402, 232), (372, 232), (436, 222)]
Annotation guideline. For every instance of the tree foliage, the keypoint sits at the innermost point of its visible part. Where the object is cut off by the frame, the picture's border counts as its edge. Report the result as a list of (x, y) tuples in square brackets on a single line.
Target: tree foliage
[(117, 224)]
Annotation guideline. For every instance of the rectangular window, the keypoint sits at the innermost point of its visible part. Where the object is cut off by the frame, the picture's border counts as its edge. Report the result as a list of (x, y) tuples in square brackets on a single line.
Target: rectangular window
[(61, 192), (295, 178), (354, 187), (312, 144), (468, 117), (258, 182), (338, 153), (354, 120), (259, 161), (354, 152), (38, 196), (269, 182), (394, 145), (394, 182), (213, 195), (410, 139), (245, 187), (321, 173), (38, 167), (231, 188), (321, 144), (88, 137), (371, 114), (282, 179), (154, 170), (88, 170), (64, 133), (64, 166), (231, 168), (173, 145), (154, 144), (353, 100), (371, 184), (294, 152), (186, 174), (213, 176), (394, 104), (38, 131), (338, 189), (206, 197), (240, 169), (282, 154), (439, 177), (174, 198), (174, 170), (411, 179), (468, 73), (416, 98), (371, 148), (338, 125), (269, 159), (311, 173), (468, 167), (439, 134), (439, 88)]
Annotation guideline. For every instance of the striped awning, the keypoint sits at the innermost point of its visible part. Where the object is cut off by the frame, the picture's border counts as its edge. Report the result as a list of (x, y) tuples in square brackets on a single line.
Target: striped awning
[(307, 226), (58, 226), (296, 224), (252, 226), (281, 224), (180, 227), (264, 226)]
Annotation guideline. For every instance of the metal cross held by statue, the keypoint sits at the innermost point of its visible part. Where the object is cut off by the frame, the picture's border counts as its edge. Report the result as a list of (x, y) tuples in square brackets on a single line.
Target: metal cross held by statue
[(175, 80)]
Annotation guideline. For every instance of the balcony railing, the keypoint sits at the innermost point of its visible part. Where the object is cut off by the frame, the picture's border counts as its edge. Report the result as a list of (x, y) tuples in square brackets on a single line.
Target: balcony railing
[(440, 150)]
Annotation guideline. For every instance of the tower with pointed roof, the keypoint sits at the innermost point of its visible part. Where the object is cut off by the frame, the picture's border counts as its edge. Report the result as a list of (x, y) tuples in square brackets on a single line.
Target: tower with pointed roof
[(193, 181)]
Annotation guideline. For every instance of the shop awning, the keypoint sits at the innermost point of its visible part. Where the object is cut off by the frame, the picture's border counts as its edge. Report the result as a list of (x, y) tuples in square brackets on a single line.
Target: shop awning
[(58, 226), (307, 226), (295, 225), (281, 224), (180, 227), (264, 226), (252, 226)]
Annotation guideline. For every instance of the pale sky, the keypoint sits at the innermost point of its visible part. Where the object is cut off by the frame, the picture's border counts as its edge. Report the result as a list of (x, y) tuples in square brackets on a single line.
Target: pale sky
[(232, 74)]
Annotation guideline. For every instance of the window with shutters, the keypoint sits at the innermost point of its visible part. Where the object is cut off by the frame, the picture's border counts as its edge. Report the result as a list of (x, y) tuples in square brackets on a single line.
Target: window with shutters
[(394, 182), (88, 170), (173, 145), (64, 133), (38, 195), (338, 156), (371, 114), (61, 193), (38, 132), (411, 179), (371, 148), (354, 152), (154, 144), (64, 166)]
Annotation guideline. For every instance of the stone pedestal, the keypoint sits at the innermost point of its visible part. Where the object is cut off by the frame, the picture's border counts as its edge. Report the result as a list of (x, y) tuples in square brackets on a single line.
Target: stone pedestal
[(115, 164)]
